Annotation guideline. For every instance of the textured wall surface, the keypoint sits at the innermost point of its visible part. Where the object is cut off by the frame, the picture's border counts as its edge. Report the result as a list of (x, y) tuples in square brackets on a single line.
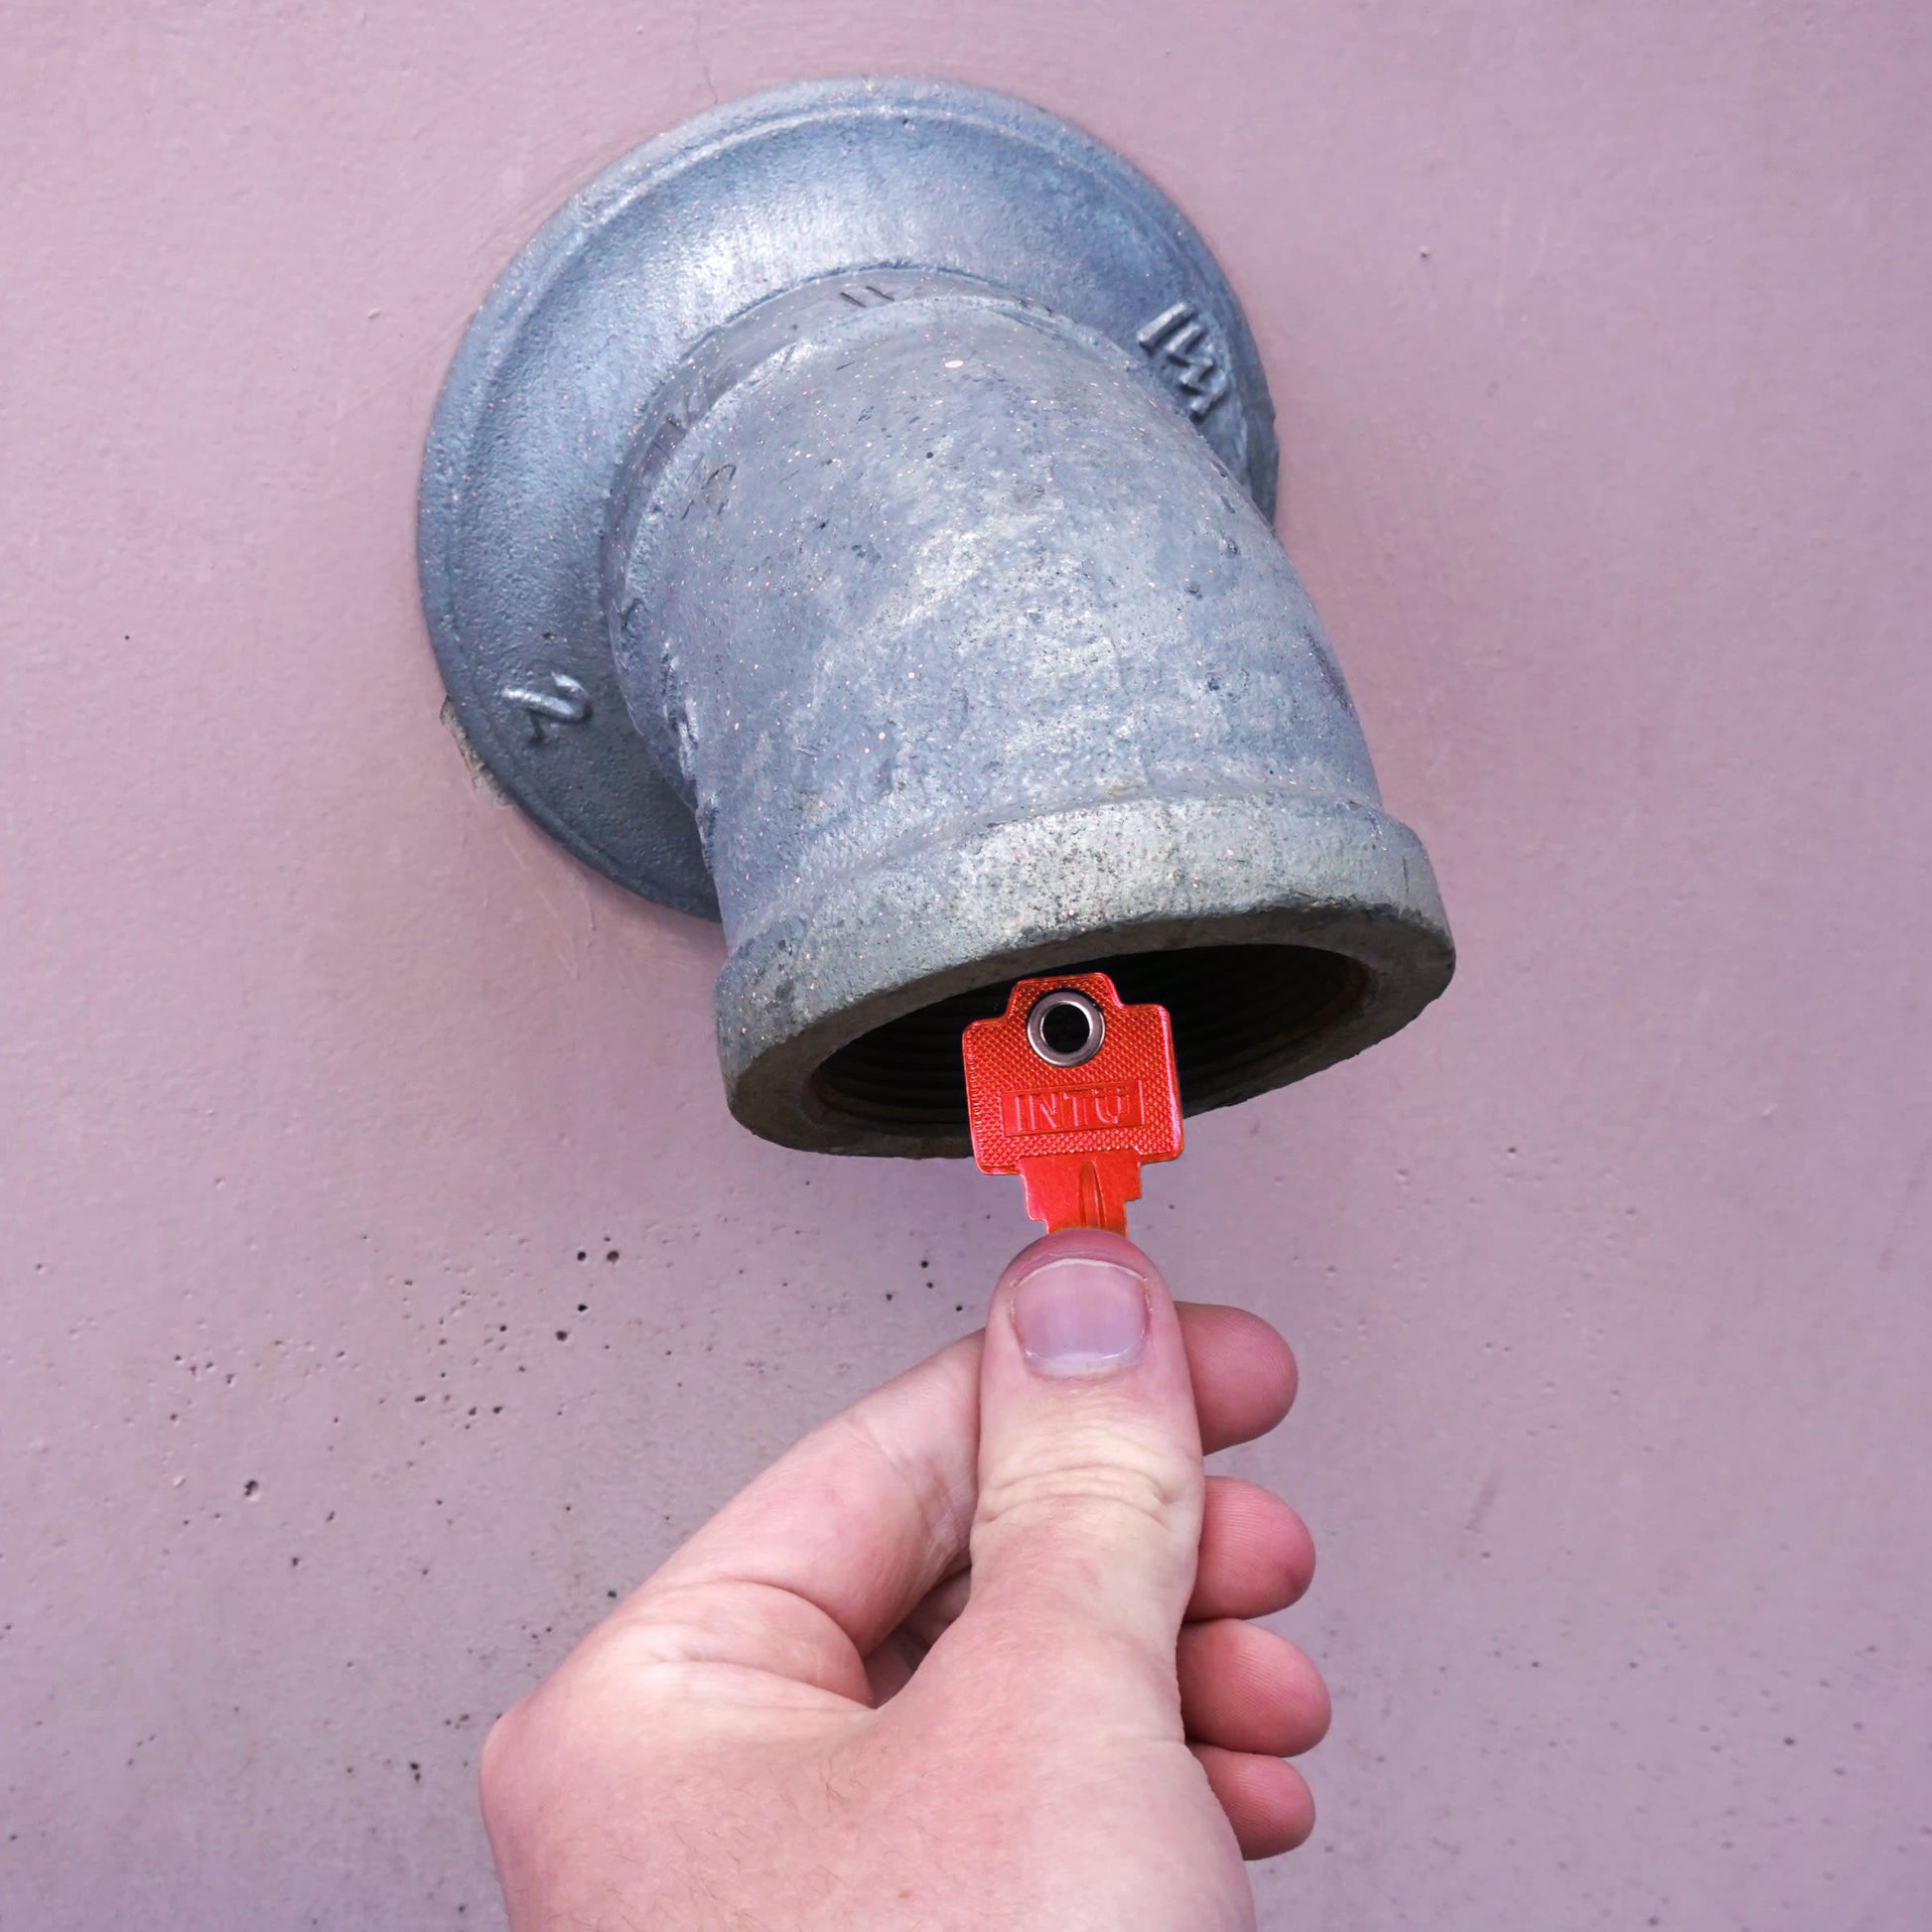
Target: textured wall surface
[(384, 1284)]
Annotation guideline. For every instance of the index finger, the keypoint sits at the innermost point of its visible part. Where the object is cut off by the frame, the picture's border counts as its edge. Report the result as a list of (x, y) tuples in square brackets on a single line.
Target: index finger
[(1244, 1373)]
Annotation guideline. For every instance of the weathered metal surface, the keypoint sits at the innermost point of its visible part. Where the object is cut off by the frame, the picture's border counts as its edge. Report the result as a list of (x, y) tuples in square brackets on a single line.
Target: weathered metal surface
[(739, 204), (846, 516)]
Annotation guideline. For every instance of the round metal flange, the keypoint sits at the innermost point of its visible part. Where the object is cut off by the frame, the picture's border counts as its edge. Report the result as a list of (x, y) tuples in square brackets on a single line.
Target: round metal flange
[(555, 380)]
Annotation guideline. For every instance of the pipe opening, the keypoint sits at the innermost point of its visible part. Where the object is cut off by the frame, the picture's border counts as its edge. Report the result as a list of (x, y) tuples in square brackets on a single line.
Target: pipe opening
[(1236, 1010)]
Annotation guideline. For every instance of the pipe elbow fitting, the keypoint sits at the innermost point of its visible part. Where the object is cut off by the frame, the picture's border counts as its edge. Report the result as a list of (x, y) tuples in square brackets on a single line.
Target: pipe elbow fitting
[(921, 607)]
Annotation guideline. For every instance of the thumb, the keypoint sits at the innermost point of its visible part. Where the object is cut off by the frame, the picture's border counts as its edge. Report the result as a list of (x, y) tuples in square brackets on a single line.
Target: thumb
[(1090, 1484)]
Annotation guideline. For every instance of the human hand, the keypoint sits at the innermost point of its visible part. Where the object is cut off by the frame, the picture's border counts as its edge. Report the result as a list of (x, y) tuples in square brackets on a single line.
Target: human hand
[(815, 1716)]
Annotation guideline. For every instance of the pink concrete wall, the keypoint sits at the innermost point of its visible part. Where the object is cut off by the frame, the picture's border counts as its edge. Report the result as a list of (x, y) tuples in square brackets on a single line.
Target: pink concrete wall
[(1600, 338)]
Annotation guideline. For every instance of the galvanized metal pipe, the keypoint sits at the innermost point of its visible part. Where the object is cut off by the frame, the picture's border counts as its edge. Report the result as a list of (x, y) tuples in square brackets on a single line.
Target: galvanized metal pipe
[(968, 656)]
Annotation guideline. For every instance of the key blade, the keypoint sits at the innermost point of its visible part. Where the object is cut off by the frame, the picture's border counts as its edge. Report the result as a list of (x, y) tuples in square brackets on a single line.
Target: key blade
[(1080, 1191)]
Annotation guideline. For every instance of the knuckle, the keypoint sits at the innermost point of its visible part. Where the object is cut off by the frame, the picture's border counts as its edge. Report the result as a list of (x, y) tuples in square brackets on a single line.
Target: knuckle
[(502, 1781), (530, 1749), (1092, 1480)]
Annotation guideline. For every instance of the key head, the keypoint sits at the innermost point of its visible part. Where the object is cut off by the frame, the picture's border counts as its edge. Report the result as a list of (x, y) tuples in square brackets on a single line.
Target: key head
[(1067, 1070)]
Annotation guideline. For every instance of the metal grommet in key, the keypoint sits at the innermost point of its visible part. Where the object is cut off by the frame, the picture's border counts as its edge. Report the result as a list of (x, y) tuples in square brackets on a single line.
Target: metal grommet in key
[(1066, 1028)]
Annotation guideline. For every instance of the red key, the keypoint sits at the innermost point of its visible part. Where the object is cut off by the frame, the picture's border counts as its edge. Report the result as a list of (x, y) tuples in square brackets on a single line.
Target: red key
[(1073, 1091)]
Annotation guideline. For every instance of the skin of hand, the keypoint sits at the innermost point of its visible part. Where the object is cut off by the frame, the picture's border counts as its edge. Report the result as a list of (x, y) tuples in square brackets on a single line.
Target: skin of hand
[(972, 1655)]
